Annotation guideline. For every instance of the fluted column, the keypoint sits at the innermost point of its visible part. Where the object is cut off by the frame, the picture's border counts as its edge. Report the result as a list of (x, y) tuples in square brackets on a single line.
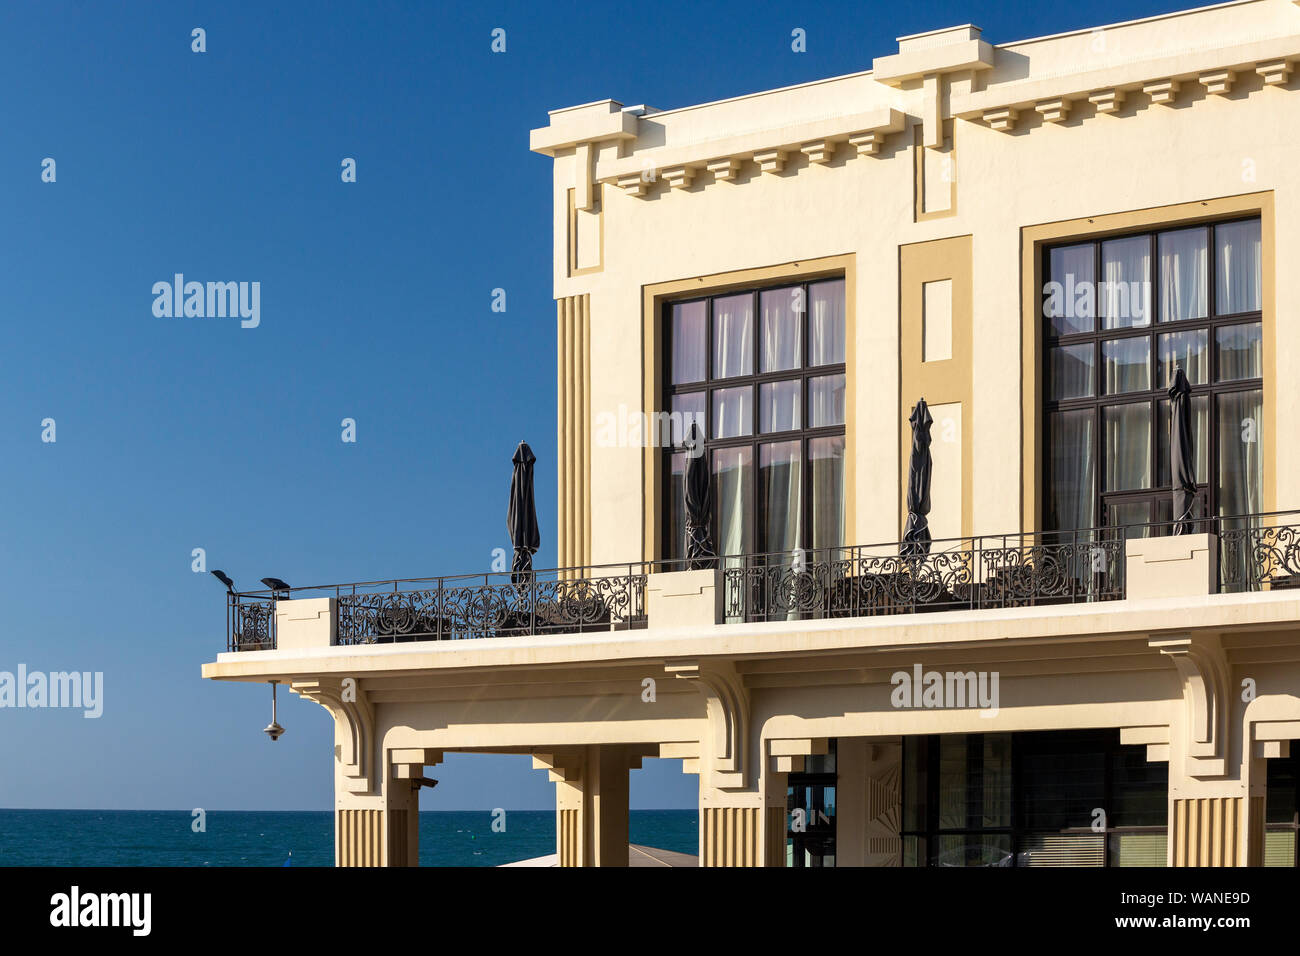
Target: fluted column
[(573, 415)]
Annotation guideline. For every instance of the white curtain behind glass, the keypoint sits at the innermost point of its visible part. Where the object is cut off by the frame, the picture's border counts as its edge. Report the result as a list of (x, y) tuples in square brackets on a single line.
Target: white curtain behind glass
[(781, 334), (1239, 277), (827, 456), (779, 406), (1182, 275), (688, 341), (733, 324), (1240, 456), (1126, 271), (826, 323), (1071, 496), (1127, 433), (781, 480), (826, 400), (730, 470)]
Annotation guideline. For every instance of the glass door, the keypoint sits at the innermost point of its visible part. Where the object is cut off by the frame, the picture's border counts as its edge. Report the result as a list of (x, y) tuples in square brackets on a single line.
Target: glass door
[(810, 812)]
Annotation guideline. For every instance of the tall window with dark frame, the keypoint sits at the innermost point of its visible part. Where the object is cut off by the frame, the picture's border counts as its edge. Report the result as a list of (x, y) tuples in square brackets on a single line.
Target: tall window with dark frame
[(1120, 315), (1282, 821), (810, 811), (1033, 798), (762, 370)]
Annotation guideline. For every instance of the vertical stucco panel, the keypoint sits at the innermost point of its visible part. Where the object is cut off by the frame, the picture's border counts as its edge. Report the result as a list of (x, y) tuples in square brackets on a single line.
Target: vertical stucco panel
[(561, 182), (1207, 832), (1285, 372), (993, 424), (570, 843), (360, 838), (877, 412), (730, 836), (616, 399), (573, 433), (397, 838), (562, 535)]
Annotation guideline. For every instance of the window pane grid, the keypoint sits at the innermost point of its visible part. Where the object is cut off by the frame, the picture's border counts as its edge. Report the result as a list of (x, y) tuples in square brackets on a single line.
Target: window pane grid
[(775, 371), (1098, 358), (1031, 805)]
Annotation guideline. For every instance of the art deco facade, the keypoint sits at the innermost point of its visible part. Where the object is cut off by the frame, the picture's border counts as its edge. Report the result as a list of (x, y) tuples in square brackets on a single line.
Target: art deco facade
[(1032, 237)]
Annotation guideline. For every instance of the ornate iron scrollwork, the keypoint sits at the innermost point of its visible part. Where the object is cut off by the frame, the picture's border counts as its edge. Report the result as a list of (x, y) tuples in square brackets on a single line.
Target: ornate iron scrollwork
[(456, 610), (1253, 559), (252, 625), (854, 582)]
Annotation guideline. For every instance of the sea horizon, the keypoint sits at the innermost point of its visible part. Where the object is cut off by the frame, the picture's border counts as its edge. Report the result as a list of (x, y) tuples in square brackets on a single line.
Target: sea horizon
[(32, 836)]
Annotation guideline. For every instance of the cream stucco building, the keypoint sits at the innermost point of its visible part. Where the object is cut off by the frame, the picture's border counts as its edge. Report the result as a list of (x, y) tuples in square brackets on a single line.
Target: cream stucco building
[(1033, 237)]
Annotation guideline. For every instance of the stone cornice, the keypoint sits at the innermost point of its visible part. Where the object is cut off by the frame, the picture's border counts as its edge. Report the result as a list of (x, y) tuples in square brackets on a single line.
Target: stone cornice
[(944, 74), (1190, 66), (818, 139)]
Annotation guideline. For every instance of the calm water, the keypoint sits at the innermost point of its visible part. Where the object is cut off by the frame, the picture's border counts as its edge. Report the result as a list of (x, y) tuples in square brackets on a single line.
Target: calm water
[(166, 837)]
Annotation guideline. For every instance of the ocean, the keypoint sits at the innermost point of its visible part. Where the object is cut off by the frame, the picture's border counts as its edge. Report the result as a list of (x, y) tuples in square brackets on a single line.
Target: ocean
[(270, 838)]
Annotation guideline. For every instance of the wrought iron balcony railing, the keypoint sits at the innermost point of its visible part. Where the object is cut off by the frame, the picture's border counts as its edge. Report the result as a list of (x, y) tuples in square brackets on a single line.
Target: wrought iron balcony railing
[(1255, 553), (1259, 552), (966, 573), (250, 622), (557, 601)]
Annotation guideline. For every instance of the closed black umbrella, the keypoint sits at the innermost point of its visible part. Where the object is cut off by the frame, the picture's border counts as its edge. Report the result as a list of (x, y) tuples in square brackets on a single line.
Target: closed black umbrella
[(521, 517), (1182, 456), (916, 536), (699, 505)]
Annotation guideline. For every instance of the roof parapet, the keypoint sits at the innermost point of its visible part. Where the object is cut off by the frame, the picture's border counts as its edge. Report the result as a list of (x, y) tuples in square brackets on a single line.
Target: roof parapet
[(596, 122), (950, 50)]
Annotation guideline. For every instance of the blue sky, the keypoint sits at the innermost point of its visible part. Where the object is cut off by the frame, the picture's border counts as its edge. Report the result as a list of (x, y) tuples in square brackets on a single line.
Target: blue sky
[(174, 434)]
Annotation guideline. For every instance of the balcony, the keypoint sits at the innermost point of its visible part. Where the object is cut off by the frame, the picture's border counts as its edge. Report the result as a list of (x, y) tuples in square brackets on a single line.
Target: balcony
[(561, 601), (961, 574), (1259, 552)]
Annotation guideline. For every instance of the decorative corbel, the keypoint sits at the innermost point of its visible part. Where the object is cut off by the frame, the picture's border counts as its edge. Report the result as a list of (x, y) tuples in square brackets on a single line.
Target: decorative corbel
[(1155, 737), (1002, 120), (678, 177), (687, 751), (354, 729), (770, 160), (634, 184), (564, 766), (868, 142), (1162, 92), (1053, 111), (1272, 738), (728, 716), (788, 756), (1107, 101), (1218, 82), (1203, 667), (818, 150), (724, 169), (1274, 72)]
